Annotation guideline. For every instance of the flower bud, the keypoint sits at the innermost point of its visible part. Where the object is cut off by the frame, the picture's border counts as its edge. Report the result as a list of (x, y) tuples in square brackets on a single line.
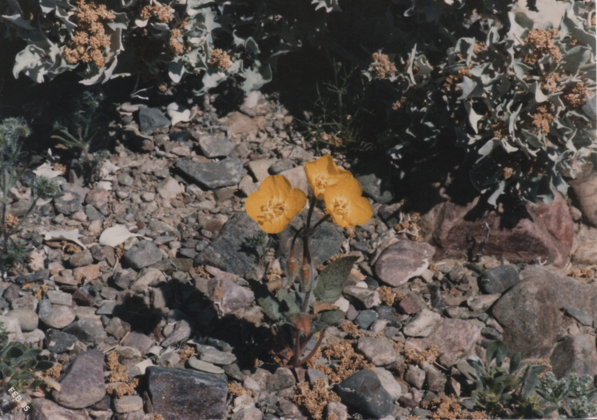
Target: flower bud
[(292, 267), (305, 275)]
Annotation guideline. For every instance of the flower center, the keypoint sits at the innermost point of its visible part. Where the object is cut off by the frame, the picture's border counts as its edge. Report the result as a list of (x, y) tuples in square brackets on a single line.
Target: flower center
[(272, 209), (341, 207), (321, 182)]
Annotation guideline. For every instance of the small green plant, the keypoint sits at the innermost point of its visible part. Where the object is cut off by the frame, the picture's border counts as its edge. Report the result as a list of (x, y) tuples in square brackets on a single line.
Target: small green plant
[(3, 335), (572, 395), (505, 392), (84, 124), (12, 167), (18, 364)]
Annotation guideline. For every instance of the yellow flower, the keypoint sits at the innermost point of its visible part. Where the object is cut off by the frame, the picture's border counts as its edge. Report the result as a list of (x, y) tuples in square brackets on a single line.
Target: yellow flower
[(323, 173), (344, 202), (275, 204)]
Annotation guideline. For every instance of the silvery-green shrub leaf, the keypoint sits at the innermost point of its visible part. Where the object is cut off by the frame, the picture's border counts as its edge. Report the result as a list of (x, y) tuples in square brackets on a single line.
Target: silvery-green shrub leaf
[(176, 71), (271, 307), (492, 200), (256, 76), (465, 47), (570, 26), (333, 278), (18, 20), (575, 58), (473, 117), (589, 107), (325, 319), (327, 5), (469, 88)]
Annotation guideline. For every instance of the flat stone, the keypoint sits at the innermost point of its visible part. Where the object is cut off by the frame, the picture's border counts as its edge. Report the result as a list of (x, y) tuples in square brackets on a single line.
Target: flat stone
[(389, 383), (82, 298), (43, 409), (179, 394), (212, 355), (379, 188), (402, 261), (89, 273), (59, 317), (297, 178), (60, 342), (586, 253), (59, 298), (204, 366), (378, 350), (248, 414), (142, 255), (453, 336), (575, 354), (213, 147), (482, 303), (538, 300), (280, 166), (423, 324), (239, 125), (436, 381), (364, 391), (169, 189), (82, 382), (228, 252), (585, 192), (69, 203), (584, 317), (128, 404), (415, 376), (182, 331), (28, 319), (410, 304), (499, 279), (282, 379), (366, 318), (26, 302), (367, 298), (147, 277), (259, 168), (151, 119), (86, 330), (81, 259), (139, 341), (212, 175), (98, 198)]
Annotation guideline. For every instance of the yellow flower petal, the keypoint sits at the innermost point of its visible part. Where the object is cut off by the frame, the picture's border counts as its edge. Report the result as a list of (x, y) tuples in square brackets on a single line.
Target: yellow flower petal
[(344, 202), (323, 173), (275, 204)]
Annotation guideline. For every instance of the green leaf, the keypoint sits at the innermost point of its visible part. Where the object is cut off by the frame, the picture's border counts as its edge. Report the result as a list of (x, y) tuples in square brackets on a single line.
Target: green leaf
[(325, 319), (287, 300), (514, 362), (44, 365), (333, 279), (271, 307)]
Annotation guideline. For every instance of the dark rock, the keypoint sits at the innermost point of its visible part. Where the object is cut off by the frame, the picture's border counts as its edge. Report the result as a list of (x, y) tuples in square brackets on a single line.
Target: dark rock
[(385, 311), (179, 394), (376, 184), (68, 203), (228, 252), (542, 232), (82, 382), (216, 147), (538, 300), (280, 166), (180, 136), (366, 318), (12, 293), (575, 354), (93, 213), (583, 317), (151, 119), (212, 175), (124, 278), (364, 391), (491, 333), (142, 255), (97, 252), (282, 379), (139, 341), (410, 304), (82, 298), (60, 342), (499, 279), (86, 330), (402, 261)]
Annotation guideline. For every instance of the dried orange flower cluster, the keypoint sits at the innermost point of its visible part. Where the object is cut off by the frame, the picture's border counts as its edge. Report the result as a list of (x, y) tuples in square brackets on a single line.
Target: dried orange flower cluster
[(500, 129), (220, 59), (174, 44), (350, 362), (389, 297), (314, 400), (551, 82), (448, 408), (576, 96), (163, 13), (542, 43), (414, 356), (381, 66), (89, 41), (542, 118)]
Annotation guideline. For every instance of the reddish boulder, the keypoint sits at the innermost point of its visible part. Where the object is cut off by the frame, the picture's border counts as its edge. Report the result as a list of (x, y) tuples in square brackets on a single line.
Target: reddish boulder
[(544, 232)]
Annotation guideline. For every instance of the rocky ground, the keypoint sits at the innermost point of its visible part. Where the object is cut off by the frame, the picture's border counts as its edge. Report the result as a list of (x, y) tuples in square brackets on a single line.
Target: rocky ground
[(139, 285)]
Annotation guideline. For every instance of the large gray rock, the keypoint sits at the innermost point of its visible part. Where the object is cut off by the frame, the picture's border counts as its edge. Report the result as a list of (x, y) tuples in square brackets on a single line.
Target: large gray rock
[(402, 261), (228, 252), (531, 312), (142, 255), (575, 354), (364, 391), (86, 330), (82, 382), (213, 147), (179, 394), (211, 175), (378, 350)]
